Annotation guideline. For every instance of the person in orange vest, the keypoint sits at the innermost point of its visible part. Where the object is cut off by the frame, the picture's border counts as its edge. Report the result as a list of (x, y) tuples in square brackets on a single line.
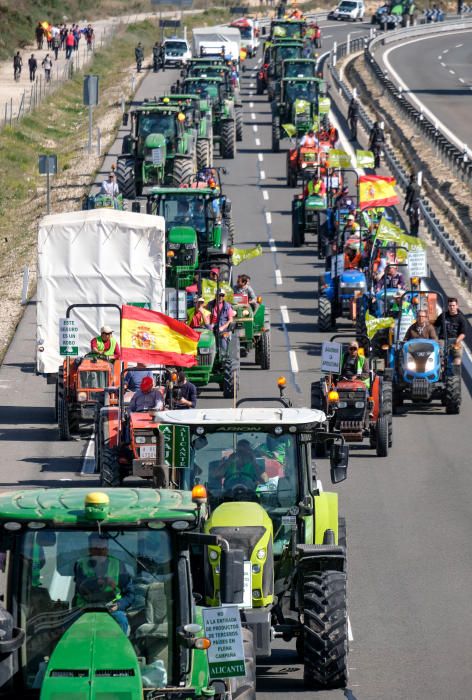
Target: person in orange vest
[(309, 140), (333, 135), (352, 255)]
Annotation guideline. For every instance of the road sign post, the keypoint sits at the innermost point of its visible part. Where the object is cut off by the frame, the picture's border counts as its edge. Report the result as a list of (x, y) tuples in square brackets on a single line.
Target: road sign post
[(47, 165), (90, 100)]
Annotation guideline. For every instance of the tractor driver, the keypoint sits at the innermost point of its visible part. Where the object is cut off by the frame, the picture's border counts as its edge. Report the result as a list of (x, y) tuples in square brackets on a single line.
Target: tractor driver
[(146, 398), (354, 365), (182, 217), (315, 186), (241, 468), (102, 579), (309, 140), (104, 344)]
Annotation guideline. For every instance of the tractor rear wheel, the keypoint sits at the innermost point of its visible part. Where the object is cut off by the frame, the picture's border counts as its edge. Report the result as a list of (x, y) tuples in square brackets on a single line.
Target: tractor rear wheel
[(275, 133), (110, 470), (453, 394), (126, 178), (265, 351), (244, 687), (387, 408), (228, 139), (297, 233), (259, 87), (239, 123), (325, 633), (63, 419), (381, 436), (231, 369), (182, 171), (203, 154), (325, 321)]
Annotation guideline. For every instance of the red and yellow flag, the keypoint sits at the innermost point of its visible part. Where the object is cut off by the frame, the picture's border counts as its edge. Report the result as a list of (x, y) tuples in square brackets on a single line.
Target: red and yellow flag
[(154, 338), (376, 191)]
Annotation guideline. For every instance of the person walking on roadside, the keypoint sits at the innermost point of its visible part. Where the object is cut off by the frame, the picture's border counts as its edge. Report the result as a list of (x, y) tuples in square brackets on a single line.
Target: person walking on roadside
[(56, 45), (47, 65), (17, 64), (69, 44), (33, 67), (412, 204), (39, 33), (377, 142), (353, 118)]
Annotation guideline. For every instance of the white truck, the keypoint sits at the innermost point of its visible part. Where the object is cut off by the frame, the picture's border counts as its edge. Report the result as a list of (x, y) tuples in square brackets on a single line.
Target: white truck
[(101, 256), (209, 41), (249, 30)]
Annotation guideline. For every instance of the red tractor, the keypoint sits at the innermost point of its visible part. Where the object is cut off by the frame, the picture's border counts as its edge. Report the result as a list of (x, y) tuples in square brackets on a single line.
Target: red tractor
[(305, 160)]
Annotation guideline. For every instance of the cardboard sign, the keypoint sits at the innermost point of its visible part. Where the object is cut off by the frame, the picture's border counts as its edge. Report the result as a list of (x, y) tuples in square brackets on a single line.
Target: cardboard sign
[(331, 354), (68, 337), (417, 263), (223, 629), (176, 445), (337, 265)]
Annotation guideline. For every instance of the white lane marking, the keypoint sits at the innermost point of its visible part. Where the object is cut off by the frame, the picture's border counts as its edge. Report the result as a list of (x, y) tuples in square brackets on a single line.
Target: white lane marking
[(251, 105), (262, 175), (253, 116), (452, 72), (273, 247), (260, 157), (458, 46), (258, 142), (446, 51), (447, 132), (268, 218), (254, 128), (265, 195), (278, 277), (439, 58), (251, 93), (443, 65), (284, 314), (328, 36), (88, 464), (461, 80), (251, 85), (65, 479), (293, 361), (349, 631)]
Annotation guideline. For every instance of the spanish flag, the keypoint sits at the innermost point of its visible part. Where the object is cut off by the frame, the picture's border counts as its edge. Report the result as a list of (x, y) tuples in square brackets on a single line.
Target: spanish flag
[(154, 338), (376, 191)]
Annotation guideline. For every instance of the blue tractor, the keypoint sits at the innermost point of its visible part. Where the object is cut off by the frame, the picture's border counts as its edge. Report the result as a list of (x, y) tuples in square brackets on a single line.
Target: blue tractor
[(422, 367), (338, 292)]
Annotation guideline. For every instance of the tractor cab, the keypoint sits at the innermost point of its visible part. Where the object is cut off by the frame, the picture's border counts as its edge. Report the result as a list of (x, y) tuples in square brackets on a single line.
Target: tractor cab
[(299, 68), (211, 88), (287, 29), (97, 595)]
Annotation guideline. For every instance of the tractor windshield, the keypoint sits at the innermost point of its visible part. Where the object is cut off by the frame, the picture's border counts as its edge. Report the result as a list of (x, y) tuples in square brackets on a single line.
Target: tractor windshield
[(127, 573), (91, 379), (184, 211), (248, 465), (284, 52), (295, 90), (299, 69), (157, 123), (207, 89), (289, 30)]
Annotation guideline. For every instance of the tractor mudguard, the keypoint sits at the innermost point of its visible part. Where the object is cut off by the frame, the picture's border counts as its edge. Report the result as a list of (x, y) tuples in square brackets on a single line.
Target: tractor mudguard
[(376, 395), (325, 518), (313, 557), (259, 317), (110, 420)]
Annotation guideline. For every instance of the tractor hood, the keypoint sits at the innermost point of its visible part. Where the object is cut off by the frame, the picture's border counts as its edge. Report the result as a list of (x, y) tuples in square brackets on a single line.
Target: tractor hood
[(94, 659), (206, 340), (352, 277), (315, 201), (182, 235), (155, 141)]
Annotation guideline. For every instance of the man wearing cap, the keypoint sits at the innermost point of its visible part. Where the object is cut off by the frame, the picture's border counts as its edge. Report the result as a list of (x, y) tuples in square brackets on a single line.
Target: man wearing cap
[(110, 186), (354, 365), (198, 316), (146, 398), (105, 344), (221, 315), (102, 579), (351, 228)]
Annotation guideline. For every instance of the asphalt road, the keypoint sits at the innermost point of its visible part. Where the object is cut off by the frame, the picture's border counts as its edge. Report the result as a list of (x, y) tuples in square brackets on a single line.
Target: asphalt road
[(441, 79), (410, 563)]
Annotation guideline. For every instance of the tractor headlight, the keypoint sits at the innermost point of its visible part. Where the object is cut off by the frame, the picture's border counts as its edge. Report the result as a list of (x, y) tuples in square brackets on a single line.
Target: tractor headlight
[(261, 553), (256, 593), (140, 440), (342, 404), (204, 351), (82, 396), (256, 568), (174, 246), (430, 362), (190, 246), (245, 312), (213, 554), (359, 404), (410, 362)]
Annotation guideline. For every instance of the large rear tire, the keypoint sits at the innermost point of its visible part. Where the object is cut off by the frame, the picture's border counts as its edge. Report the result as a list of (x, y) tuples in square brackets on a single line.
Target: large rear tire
[(126, 178), (244, 687), (228, 139), (259, 87), (203, 154), (265, 350), (382, 436), (275, 133), (182, 171), (325, 633), (325, 321), (231, 370), (239, 123), (453, 394), (110, 470), (298, 238)]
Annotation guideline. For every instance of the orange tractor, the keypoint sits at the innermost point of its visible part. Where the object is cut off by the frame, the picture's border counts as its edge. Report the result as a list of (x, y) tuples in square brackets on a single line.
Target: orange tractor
[(305, 160)]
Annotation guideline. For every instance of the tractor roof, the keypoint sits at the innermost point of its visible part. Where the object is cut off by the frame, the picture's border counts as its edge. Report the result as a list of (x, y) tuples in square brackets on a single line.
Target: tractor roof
[(302, 79), (301, 60), (243, 416), (197, 191), (157, 107), (67, 506), (207, 78)]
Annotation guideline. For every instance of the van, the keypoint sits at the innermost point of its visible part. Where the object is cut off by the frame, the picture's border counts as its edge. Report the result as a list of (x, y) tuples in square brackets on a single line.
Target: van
[(348, 10), (176, 52)]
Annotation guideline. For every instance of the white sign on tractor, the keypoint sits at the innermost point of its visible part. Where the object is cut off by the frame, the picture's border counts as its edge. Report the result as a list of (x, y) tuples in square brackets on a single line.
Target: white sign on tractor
[(331, 354), (68, 337)]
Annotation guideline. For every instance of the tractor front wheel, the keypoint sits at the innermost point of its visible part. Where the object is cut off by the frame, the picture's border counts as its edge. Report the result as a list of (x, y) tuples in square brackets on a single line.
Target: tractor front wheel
[(265, 351), (110, 470), (182, 171), (382, 436), (325, 633), (126, 177), (244, 687), (228, 139), (453, 394), (325, 321), (231, 369), (203, 154), (239, 123)]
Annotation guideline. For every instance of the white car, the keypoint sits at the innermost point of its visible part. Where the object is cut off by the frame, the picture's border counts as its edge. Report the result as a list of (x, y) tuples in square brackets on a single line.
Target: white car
[(176, 52), (350, 10)]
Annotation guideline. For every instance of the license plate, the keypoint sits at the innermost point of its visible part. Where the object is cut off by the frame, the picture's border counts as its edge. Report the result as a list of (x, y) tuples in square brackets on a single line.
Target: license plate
[(247, 598), (88, 413), (147, 452)]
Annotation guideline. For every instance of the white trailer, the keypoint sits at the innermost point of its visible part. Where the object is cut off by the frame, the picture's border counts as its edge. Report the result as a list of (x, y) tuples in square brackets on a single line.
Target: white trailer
[(101, 256), (213, 40)]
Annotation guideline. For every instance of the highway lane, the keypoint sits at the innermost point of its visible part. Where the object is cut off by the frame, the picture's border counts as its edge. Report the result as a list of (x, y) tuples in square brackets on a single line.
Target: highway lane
[(408, 515), (441, 78)]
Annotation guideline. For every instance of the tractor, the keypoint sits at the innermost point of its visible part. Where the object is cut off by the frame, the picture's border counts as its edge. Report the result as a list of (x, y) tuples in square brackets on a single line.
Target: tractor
[(160, 149), (103, 201), (301, 108), (255, 463), (423, 369), (198, 112), (309, 215), (358, 406), (287, 29), (253, 328), (224, 113), (67, 634), (296, 68), (277, 54)]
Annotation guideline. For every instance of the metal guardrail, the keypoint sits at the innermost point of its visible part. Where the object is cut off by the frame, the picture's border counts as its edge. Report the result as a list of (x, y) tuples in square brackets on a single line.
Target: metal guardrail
[(449, 249)]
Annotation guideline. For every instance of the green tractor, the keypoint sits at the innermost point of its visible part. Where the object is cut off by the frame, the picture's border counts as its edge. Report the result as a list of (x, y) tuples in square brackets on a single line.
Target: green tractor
[(218, 362), (98, 596), (301, 107), (199, 113), (208, 69), (224, 113), (310, 216), (160, 149), (256, 465), (287, 29), (279, 52), (253, 327)]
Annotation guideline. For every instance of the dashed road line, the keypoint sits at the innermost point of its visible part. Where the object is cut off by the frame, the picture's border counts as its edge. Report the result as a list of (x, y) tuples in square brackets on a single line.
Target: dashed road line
[(253, 115), (293, 361), (258, 142), (458, 46), (254, 128), (272, 246), (260, 157), (445, 50), (284, 314), (265, 195), (439, 58), (268, 218), (461, 80), (251, 105), (262, 175), (278, 277), (452, 72)]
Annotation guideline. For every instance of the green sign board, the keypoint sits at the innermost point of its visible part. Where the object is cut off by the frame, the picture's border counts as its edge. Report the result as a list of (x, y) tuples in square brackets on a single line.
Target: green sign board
[(139, 304), (176, 445), (68, 337)]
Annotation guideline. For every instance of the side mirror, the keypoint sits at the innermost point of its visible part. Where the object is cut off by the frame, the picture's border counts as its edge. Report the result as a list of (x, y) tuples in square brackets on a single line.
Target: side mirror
[(125, 119), (136, 207), (232, 576), (338, 460)]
